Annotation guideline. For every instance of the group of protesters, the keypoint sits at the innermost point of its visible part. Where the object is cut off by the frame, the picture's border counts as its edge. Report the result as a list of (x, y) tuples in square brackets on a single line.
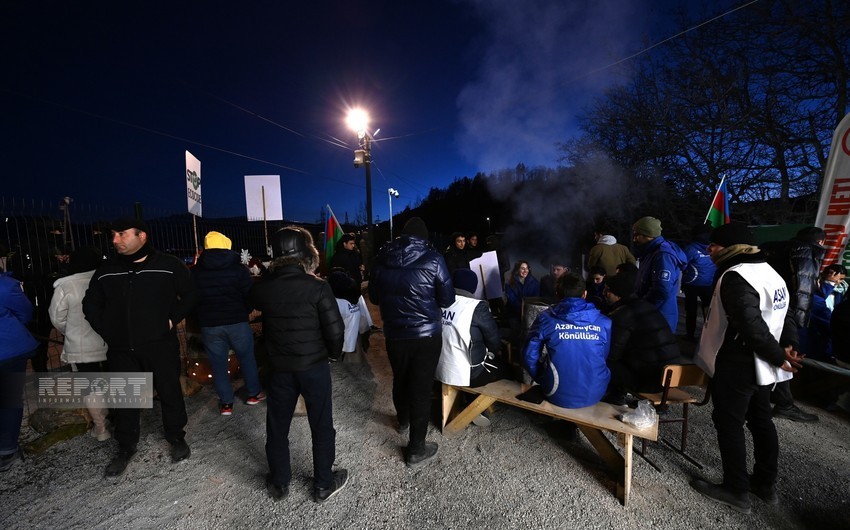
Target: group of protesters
[(605, 338)]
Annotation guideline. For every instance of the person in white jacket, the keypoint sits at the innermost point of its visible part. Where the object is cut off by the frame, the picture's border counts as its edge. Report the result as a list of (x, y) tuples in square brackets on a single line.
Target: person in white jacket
[(83, 348)]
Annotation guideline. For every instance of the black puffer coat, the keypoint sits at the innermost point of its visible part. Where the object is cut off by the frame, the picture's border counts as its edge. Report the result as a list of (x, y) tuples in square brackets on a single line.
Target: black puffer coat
[(410, 283), (301, 322), (223, 284), (798, 262), (641, 341)]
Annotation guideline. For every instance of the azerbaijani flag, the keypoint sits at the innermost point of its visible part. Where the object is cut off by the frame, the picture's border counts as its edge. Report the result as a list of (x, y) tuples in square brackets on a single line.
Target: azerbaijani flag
[(333, 233), (718, 214)]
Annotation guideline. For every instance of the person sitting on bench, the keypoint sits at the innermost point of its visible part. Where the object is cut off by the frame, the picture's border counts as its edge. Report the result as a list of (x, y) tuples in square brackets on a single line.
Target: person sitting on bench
[(641, 341), (571, 370)]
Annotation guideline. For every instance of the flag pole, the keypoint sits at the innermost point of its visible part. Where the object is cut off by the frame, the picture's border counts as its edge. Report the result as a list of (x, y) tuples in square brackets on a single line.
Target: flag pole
[(716, 193)]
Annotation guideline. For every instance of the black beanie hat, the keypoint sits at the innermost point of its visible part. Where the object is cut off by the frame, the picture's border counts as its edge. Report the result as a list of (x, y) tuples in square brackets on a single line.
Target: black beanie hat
[(465, 279), (119, 225), (343, 286), (84, 259), (732, 234), (415, 227), (622, 284)]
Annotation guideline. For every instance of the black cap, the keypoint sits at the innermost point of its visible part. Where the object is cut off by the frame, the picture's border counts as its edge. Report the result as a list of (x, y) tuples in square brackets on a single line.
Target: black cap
[(732, 234), (119, 225), (415, 227), (289, 243)]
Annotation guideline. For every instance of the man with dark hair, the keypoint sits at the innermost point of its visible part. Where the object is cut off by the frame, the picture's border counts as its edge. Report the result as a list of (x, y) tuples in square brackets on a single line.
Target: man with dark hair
[(748, 343), (135, 301), (348, 257), (410, 283), (456, 255), (557, 268), (572, 372), (798, 262), (303, 331), (473, 249)]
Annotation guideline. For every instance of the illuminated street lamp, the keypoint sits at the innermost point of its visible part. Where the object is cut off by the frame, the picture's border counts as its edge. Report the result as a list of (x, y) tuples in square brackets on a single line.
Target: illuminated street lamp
[(488, 226), (358, 121), (391, 192)]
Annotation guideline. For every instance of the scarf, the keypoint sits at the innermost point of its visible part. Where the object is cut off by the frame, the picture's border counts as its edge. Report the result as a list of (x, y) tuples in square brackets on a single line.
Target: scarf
[(734, 250), (142, 253)]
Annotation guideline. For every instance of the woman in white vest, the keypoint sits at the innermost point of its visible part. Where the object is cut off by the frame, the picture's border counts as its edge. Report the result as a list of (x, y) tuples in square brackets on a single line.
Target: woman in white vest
[(470, 337), (748, 344)]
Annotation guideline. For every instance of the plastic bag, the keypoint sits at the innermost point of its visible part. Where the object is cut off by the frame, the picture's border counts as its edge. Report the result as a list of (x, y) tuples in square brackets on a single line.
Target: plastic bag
[(642, 417)]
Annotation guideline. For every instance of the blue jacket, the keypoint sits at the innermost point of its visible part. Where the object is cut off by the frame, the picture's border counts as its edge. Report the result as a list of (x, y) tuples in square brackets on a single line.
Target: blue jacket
[(410, 283), (699, 270), (223, 284), (573, 372), (15, 311), (661, 265), (517, 291)]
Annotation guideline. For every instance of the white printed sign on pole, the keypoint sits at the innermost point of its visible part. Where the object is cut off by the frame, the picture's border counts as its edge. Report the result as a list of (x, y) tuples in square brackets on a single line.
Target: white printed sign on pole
[(834, 208), (262, 198), (193, 184), (489, 277)]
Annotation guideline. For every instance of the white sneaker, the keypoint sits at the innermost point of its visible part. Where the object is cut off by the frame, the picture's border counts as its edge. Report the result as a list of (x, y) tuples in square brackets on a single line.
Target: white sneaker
[(482, 421)]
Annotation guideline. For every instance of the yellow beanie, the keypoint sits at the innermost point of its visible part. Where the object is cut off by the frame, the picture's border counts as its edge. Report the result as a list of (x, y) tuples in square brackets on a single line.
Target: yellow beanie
[(217, 240)]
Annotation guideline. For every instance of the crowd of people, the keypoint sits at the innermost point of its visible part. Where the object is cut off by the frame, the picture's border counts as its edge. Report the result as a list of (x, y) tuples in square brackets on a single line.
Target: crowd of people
[(603, 334)]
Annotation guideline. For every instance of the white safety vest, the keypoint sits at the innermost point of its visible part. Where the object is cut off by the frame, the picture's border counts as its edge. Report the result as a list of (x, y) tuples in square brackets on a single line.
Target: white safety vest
[(454, 365), (773, 302), (351, 317), (365, 318)]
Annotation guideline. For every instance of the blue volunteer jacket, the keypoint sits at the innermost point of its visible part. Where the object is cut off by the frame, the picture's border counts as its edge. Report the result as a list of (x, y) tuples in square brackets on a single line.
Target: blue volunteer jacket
[(15, 311), (699, 271), (661, 265), (572, 372)]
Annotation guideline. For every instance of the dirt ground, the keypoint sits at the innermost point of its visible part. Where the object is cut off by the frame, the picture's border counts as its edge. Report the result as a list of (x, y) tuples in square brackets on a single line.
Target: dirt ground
[(519, 472)]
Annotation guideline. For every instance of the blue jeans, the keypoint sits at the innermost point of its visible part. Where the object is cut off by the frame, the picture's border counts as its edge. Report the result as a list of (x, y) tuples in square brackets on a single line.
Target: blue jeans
[(218, 340), (12, 374)]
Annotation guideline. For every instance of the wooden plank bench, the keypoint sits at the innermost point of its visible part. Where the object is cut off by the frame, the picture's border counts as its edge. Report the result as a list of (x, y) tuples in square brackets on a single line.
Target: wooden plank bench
[(590, 420)]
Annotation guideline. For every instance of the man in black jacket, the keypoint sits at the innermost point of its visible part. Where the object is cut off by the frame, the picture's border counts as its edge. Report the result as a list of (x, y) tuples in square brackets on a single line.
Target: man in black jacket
[(223, 285), (303, 330), (748, 340), (348, 258), (410, 283), (135, 301)]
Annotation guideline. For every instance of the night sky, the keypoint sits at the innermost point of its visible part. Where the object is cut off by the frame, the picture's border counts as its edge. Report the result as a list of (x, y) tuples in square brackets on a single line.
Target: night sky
[(100, 100)]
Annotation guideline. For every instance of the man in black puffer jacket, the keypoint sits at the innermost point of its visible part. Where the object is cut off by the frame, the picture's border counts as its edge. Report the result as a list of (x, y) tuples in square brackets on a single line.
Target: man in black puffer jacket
[(641, 340), (410, 282), (303, 330), (223, 286)]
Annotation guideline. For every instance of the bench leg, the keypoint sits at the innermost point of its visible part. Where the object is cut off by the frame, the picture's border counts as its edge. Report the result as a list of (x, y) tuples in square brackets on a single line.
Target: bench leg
[(449, 397), (621, 465), (468, 414)]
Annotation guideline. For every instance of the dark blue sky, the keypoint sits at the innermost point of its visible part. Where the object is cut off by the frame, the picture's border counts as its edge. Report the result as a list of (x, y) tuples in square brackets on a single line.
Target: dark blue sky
[(101, 99)]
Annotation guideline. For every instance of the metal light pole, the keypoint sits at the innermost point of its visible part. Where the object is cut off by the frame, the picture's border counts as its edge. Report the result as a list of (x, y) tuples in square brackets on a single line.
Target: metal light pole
[(358, 120), (490, 230), (392, 192)]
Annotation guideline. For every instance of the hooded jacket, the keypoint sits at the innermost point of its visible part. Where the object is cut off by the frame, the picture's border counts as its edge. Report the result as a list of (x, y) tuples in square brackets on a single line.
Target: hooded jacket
[(15, 311), (607, 253), (577, 337), (410, 283), (82, 344), (699, 270), (223, 285), (661, 265)]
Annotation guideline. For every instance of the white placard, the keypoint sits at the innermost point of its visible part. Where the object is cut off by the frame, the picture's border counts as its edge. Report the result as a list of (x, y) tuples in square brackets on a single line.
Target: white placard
[(487, 269), (260, 188), (193, 184)]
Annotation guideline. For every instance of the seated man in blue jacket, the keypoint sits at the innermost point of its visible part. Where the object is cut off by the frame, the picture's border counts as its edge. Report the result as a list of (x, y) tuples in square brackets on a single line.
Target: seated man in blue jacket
[(571, 370)]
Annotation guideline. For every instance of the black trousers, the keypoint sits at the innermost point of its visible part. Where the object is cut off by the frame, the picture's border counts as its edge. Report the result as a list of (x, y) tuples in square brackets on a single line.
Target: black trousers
[(414, 362), (283, 390), (738, 400), (691, 294), (163, 360)]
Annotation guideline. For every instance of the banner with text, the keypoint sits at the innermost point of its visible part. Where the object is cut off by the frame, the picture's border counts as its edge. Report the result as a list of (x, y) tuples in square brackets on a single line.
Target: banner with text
[(193, 184), (834, 208)]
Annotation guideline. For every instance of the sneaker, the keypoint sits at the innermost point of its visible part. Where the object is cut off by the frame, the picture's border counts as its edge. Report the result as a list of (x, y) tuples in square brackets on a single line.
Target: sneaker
[(255, 400), (276, 492), (180, 451), (6, 461), (481, 421), (225, 409), (340, 480), (794, 413), (766, 493), (118, 464), (740, 502), (416, 459)]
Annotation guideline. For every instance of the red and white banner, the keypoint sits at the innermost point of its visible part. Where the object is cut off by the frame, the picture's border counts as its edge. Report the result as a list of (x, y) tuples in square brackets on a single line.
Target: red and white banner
[(834, 208)]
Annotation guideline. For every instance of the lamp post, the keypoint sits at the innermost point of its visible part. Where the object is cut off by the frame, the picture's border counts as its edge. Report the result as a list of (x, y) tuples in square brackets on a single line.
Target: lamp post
[(489, 230), (391, 192), (358, 121)]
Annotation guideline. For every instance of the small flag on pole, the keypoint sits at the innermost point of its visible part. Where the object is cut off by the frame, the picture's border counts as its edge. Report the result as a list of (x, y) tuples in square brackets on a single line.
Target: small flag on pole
[(718, 214), (333, 233)]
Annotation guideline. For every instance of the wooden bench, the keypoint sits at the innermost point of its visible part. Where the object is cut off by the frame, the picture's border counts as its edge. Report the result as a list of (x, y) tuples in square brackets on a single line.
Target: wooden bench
[(590, 420)]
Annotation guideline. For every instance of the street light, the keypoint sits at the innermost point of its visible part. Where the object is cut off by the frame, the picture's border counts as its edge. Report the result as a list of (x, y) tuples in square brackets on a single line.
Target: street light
[(358, 121), (488, 226), (391, 192)]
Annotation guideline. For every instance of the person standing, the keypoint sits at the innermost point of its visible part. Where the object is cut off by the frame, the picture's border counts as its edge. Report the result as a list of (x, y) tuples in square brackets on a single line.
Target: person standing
[(303, 331), (661, 264), (697, 277), (82, 347), (348, 257), (410, 283), (135, 301), (748, 343), (223, 285), (456, 255), (607, 253)]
